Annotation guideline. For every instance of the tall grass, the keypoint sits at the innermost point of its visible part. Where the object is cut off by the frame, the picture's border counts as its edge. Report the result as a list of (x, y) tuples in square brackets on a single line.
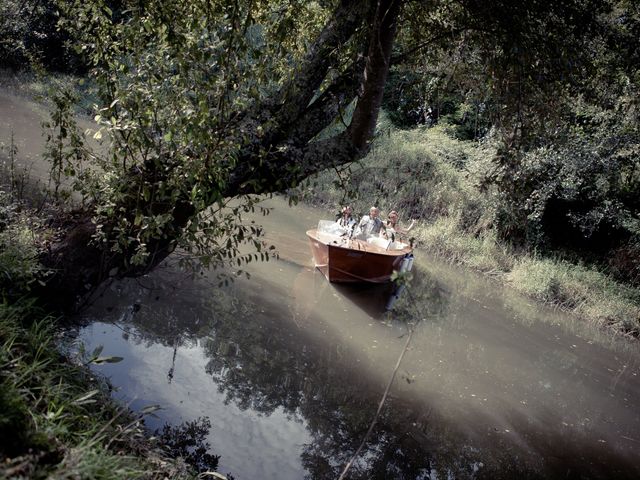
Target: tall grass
[(416, 172), (429, 175), (587, 292), (482, 252), (56, 420), (20, 238)]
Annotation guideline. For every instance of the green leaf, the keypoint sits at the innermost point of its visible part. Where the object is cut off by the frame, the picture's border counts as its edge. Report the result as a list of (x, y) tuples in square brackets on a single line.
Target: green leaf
[(86, 398), (97, 351), (101, 360)]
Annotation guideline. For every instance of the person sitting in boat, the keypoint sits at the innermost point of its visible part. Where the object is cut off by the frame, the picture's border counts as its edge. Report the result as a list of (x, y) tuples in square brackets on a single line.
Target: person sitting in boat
[(346, 220), (370, 225), (392, 226)]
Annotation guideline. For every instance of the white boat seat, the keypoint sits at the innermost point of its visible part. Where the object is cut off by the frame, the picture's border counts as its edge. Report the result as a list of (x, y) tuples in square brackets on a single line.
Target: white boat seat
[(379, 242)]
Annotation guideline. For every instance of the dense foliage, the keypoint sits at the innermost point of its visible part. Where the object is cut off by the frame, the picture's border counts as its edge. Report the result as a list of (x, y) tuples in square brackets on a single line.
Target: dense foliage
[(564, 124), (576, 184), (29, 34)]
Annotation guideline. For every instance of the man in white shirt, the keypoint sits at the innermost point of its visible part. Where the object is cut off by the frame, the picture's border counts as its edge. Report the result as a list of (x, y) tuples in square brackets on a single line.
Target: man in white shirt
[(370, 224)]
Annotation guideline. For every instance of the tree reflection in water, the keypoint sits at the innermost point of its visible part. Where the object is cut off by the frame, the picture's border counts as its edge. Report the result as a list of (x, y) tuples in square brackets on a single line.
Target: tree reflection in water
[(261, 363), (261, 367)]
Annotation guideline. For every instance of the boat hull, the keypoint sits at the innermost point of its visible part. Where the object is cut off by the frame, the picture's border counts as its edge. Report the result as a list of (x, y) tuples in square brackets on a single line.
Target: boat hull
[(348, 261)]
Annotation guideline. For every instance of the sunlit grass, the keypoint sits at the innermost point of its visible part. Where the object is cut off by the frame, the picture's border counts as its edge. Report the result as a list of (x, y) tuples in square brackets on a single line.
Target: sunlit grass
[(591, 294), (482, 252)]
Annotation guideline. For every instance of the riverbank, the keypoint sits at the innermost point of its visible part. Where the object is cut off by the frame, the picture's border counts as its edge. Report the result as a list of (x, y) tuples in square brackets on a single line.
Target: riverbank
[(428, 175), (57, 419)]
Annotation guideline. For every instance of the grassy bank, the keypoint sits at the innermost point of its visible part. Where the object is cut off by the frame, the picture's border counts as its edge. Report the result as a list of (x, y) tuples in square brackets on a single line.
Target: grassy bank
[(57, 419), (429, 175), (39, 86)]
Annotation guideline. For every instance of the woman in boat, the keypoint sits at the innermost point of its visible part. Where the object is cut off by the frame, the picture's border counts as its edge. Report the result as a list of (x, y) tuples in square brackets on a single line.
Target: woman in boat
[(392, 226), (346, 220)]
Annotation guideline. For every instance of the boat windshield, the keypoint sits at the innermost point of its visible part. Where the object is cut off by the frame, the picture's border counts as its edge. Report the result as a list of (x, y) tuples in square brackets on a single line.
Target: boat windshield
[(329, 226)]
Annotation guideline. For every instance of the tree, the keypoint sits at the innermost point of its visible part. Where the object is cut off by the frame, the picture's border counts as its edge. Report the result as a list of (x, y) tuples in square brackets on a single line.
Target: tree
[(574, 183), (203, 101), (197, 113)]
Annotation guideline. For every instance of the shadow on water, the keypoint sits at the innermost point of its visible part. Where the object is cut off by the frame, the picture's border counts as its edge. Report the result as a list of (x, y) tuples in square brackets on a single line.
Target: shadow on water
[(263, 360), (259, 367), (372, 299)]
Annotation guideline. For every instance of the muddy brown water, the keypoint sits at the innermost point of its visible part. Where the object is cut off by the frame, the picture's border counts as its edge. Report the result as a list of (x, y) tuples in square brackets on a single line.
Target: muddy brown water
[(22, 119), (290, 369), (21, 128)]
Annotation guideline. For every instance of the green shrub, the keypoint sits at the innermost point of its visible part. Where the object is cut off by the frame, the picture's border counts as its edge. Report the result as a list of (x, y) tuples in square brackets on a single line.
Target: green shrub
[(421, 173), (29, 31)]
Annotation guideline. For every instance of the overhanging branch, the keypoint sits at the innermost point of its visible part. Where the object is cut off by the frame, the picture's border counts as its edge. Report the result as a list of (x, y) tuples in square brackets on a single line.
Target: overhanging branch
[(326, 107), (322, 55)]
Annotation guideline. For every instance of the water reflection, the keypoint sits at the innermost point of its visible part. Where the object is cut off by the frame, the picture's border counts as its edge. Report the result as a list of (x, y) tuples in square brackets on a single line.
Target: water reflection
[(261, 367), (291, 369), (263, 356)]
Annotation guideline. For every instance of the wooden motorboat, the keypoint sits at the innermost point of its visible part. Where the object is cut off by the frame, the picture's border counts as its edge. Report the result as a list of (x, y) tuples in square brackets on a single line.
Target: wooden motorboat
[(342, 259)]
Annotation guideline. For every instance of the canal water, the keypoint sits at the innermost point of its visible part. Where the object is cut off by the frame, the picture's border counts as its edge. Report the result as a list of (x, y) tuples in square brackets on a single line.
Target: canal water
[(290, 370)]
